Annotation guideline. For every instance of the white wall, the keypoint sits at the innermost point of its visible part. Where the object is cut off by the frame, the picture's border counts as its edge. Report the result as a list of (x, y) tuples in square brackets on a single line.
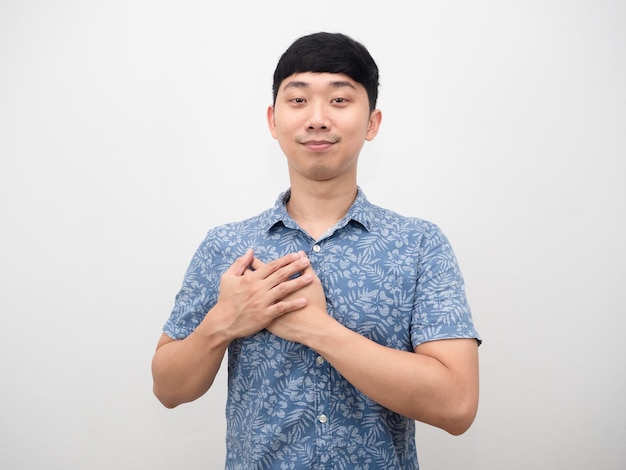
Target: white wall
[(128, 128)]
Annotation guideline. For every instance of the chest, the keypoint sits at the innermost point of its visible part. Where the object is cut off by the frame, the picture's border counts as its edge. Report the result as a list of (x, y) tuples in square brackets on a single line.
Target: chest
[(369, 281)]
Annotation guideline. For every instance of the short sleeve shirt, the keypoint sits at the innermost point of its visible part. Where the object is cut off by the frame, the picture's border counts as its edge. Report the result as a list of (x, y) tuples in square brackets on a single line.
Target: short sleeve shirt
[(392, 279)]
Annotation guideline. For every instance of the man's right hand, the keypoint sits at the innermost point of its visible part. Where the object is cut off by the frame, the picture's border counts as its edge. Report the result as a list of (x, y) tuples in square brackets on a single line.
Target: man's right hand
[(250, 299)]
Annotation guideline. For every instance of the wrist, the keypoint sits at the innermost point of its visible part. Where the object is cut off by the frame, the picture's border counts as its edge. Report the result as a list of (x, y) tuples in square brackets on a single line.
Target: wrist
[(214, 330), (326, 336)]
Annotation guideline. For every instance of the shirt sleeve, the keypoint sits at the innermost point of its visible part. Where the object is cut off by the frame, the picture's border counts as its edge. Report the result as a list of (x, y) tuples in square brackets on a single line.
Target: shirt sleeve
[(199, 291), (441, 309)]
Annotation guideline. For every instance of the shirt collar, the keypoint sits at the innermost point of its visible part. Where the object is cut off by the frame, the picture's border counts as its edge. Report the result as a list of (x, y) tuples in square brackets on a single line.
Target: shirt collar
[(360, 211)]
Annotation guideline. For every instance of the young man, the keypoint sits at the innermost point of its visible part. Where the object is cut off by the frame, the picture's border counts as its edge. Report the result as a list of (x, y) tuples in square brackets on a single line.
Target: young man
[(344, 322)]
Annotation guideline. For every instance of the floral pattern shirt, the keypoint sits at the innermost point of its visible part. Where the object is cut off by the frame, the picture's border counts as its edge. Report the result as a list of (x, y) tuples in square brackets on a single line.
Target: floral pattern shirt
[(393, 279)]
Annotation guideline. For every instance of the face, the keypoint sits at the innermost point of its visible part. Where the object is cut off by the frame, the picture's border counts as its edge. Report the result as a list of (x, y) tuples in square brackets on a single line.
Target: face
[(321, 121)]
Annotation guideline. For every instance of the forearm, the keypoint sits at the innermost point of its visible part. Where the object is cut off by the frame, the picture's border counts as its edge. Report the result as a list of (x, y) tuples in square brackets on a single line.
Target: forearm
[(415, 385), (184, 370)]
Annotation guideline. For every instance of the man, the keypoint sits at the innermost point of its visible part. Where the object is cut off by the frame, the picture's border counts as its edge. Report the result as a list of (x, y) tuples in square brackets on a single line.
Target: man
[(344, 322)]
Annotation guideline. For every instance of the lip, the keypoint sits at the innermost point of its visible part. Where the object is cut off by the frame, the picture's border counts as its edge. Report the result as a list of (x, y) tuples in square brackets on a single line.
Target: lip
[(318, 145)]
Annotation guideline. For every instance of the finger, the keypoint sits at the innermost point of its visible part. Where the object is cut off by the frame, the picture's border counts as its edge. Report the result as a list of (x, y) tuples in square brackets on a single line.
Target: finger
[(285, 266), (256, 263), (280, 291), (241, 264), (291, 271), (309, 271), (286, 306)]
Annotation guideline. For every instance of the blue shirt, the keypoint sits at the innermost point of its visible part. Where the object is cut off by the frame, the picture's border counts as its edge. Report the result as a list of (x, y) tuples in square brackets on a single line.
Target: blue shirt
[(393, 279)]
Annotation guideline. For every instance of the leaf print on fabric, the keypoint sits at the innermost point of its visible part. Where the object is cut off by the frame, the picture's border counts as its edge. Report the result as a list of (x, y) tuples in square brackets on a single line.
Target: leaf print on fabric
[(341, 256), (354, 277), (352, 408)]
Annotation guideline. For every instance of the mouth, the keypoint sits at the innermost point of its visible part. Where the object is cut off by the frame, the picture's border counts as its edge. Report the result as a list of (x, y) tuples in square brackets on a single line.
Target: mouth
[(319, 145)]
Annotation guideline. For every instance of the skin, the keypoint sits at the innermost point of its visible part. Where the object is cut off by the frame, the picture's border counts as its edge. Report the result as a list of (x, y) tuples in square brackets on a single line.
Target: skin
[(321, 121)]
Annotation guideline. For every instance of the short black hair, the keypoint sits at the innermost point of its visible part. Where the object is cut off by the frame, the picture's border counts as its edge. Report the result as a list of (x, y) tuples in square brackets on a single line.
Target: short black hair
[(329, 53)]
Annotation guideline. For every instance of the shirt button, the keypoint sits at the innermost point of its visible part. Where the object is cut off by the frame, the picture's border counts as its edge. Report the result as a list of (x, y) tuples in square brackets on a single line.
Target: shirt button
[(319, 361), (323, 418), (316, 248)]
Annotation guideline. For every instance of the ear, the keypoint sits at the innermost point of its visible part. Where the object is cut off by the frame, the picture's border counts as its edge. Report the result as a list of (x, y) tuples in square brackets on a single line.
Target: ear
[(271, 120), (373, 125)]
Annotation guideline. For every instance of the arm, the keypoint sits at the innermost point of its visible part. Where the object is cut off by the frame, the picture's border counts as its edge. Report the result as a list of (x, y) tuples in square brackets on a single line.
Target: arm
[(436, 384), (184, 370)]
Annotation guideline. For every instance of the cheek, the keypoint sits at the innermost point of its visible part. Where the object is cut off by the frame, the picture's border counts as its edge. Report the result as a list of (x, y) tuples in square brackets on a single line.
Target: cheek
[(284, 126), (284, 134), (358, 132)]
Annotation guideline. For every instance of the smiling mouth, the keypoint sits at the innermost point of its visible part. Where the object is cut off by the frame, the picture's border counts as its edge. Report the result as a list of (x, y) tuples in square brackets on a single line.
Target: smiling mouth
[(319, 145)]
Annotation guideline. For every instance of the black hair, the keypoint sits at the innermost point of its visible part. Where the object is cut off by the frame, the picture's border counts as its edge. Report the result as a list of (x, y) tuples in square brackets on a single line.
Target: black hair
[(329, 53)]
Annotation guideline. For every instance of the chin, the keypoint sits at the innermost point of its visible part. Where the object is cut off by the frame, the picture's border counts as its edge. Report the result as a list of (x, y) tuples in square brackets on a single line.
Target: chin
[(321, 174)]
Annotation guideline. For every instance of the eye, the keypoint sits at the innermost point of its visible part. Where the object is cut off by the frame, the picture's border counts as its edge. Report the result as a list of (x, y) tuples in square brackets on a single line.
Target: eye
[(298, 100), (339, 100)]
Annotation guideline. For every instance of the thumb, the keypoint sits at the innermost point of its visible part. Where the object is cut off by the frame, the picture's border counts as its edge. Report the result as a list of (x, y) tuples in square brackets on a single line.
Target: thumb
[(241, 264), (257, 263)]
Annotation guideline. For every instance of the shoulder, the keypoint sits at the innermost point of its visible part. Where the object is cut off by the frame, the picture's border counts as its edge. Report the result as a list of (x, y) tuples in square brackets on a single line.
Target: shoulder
[(240, 229), (231, 240), (387, 221), (414, 235)]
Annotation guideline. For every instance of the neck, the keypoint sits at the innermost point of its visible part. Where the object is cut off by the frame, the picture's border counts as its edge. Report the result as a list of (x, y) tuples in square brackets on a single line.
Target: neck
[(318, 207)]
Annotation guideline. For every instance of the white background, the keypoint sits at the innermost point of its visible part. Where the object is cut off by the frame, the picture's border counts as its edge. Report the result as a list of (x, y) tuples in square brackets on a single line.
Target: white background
[(129, 128)]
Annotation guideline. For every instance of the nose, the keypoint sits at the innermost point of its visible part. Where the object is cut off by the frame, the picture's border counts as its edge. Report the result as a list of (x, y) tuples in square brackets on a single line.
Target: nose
[(318, 117)]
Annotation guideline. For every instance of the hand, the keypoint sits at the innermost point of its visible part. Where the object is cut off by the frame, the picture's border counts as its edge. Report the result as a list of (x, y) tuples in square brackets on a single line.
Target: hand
[(250, 299), (299, 324)]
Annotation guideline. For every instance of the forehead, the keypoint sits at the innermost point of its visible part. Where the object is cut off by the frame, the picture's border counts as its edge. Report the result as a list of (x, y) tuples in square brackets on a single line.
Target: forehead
[(319, 82)]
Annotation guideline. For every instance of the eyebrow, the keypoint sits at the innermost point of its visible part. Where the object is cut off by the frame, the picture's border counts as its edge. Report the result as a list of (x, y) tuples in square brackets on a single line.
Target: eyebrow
[(332, 84)]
